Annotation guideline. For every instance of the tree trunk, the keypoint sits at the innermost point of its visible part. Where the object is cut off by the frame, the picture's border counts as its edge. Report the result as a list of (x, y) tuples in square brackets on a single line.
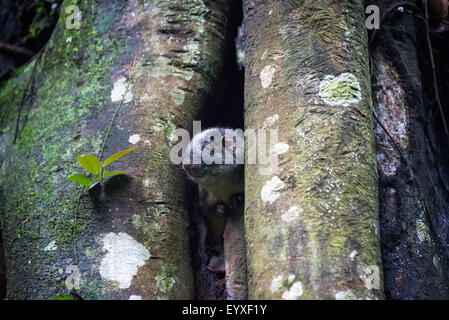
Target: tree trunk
[(312, 226), (412, 199), (235, 254), (128, 240)]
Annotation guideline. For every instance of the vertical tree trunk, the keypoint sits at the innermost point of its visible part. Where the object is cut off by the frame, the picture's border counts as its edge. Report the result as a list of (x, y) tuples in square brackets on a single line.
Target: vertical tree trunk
[(312, 225), (410, 192), (128, 241), (235, 254)]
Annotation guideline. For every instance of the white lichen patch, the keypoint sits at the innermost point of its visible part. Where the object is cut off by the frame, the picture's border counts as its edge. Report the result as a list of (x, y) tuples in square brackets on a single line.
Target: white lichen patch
[(294, 293), (119, 90), (353, 254), (123, 259), (291, 278), (270, 121), (266, 76), (343, 90), (292, 214), (51, 246), (276, 283), (134, 138), (345, 295), (280, 148), (134, 297), (270, 190)]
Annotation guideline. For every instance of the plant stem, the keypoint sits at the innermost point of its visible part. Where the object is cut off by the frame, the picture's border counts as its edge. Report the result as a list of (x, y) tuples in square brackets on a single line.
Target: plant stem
[(76, 222), (117, 109)]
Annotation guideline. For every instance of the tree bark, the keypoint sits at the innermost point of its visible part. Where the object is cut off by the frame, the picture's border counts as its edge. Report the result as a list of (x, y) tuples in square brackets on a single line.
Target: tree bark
[(235, 254), (411, 195), (312, 226), (128, 240)]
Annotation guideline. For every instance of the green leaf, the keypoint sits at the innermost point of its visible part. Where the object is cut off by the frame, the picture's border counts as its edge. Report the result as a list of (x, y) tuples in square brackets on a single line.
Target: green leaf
[(113, 173), (116, 156), (90, 163), (80, 179), (62, 297)]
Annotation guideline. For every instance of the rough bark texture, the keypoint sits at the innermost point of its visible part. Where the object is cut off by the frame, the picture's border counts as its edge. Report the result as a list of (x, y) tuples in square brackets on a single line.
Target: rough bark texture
[(410, 190), (312, 226), (178, 47), (2, 269), (235, 254)]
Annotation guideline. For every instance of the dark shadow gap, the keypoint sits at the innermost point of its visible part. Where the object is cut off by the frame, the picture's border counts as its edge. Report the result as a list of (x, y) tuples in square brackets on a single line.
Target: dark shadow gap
[(26, 27), (225, 109)]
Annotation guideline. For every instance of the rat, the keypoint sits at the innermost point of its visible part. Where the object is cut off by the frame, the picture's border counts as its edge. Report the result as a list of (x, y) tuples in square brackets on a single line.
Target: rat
[(220, 183)]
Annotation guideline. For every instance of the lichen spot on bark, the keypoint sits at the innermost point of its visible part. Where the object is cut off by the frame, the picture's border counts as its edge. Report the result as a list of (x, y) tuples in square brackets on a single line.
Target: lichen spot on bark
[(276, 283), (119, 90), (343, 90), (294, 292), (292, 214), (270, 190), (280, 148), (266, 76), (134, 138), (270, 121), (51, 246), (123, 259), (353, 254), (345, 295), (135, 297)]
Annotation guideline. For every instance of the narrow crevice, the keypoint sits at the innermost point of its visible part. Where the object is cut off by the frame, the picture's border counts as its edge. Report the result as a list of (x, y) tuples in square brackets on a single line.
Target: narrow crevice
[(224, 109)]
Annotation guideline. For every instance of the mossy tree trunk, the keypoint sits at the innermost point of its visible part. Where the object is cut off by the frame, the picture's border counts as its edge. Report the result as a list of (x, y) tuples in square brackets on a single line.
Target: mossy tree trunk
[(312, 225), (411, 193), (129, 240)]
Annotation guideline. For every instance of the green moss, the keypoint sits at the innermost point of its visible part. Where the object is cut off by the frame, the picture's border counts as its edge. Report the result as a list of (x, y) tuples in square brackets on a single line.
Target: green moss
[(72, 87), (165, 280), (151, 225)]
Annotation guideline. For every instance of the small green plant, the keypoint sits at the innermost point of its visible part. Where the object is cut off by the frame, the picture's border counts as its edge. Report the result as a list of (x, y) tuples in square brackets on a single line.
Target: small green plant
[(92, 164)]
